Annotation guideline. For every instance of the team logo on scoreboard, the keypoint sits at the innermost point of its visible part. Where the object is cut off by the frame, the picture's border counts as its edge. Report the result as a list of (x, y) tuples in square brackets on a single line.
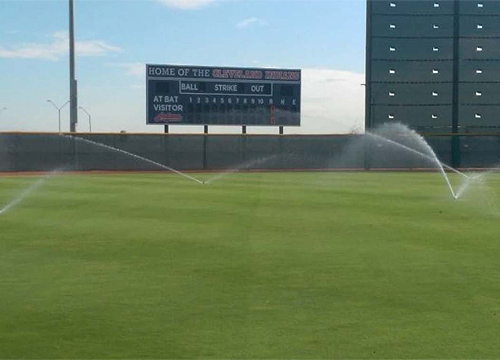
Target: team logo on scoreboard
[(167, 117)]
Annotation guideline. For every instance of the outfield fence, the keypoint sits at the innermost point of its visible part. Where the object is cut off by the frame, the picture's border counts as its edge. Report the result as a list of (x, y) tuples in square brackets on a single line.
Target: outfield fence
[(48, 151)]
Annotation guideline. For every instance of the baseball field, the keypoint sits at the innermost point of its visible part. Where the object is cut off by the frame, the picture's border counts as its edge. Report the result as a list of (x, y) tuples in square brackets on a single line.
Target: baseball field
[(253, 265)]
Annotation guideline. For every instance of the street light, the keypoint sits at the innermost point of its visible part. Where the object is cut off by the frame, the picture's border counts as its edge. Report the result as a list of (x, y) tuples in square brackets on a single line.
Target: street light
[(58, 110), (90, 118)]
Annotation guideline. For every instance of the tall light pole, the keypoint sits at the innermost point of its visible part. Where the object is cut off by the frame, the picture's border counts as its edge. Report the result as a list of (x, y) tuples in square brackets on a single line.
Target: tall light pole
[(73, 97), (58, 110), (90, 118)]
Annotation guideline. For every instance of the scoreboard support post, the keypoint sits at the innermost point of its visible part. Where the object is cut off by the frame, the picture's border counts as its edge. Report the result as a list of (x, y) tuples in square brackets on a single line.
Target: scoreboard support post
[(281, 140), (205, 139), (244, 140), (166, 129)]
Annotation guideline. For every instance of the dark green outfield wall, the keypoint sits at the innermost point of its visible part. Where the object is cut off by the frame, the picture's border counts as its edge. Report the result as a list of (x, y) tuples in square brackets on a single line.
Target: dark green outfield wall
[(35, 152)]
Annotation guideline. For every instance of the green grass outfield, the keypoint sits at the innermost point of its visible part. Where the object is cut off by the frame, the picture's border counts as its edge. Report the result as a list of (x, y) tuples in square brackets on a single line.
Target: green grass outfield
[(256, 265)]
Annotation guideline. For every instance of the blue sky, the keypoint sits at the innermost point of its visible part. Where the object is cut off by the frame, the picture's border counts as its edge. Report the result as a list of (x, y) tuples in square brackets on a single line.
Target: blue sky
[(116, 38)]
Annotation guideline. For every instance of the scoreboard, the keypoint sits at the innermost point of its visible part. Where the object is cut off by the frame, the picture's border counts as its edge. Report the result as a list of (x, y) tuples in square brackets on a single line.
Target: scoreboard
[(197, 95)]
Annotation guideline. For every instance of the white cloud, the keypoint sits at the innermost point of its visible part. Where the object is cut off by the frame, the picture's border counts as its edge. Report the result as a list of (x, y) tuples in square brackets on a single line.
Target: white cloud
[(332, 101), (186, 4), (138, 86), (132, 69), (135, 69), (58, 48), (247, 22)]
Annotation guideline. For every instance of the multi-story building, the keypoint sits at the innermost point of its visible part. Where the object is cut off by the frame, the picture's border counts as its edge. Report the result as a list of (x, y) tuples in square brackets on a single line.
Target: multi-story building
[(434, 65)]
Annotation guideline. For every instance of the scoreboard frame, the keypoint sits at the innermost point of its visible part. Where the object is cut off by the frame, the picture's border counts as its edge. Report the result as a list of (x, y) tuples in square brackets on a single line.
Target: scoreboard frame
[(225, 96)]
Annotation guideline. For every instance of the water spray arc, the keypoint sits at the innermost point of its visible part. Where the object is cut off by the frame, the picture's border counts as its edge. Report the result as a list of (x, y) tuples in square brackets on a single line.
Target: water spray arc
[(27, 192), (476, 179), (165, 167), (419, 153), (244, 166), (433, 157), (41, 181)]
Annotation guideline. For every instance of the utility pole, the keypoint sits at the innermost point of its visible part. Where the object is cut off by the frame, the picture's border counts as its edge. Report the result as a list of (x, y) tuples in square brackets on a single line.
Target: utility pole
[(73, 96)]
